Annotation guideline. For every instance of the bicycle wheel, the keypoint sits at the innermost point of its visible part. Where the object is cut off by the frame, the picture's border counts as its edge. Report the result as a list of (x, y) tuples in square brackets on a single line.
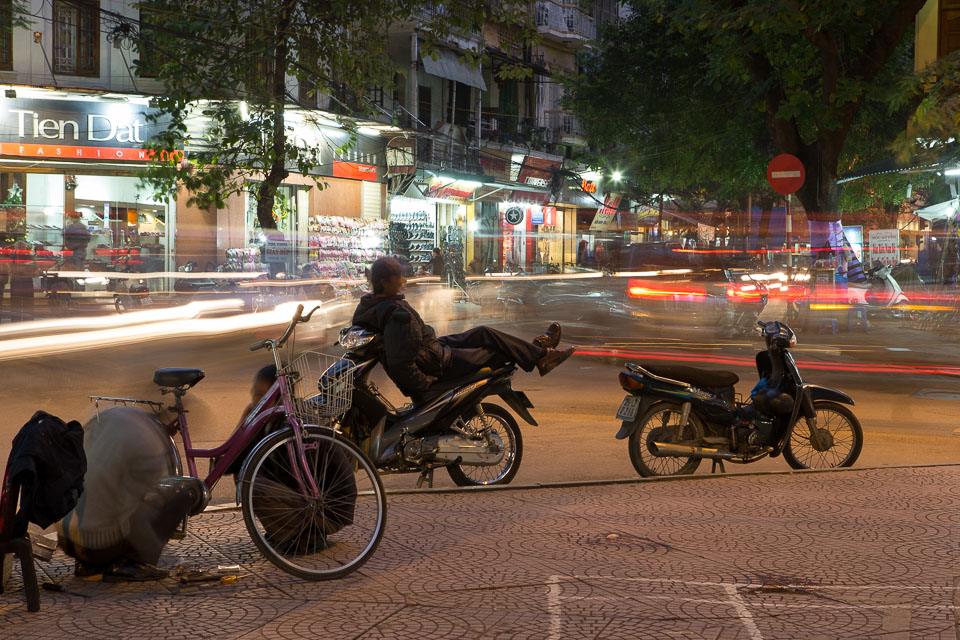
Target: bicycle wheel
[(314, 538)]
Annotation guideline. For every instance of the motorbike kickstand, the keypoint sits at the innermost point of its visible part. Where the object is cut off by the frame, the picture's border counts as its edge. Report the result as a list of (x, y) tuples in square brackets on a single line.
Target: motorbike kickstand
[(181, 531), (426, 474), (717, 463)]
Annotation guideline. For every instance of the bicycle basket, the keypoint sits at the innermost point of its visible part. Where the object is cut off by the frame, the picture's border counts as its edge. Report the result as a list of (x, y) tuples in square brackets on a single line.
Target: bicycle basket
[(321, 386)]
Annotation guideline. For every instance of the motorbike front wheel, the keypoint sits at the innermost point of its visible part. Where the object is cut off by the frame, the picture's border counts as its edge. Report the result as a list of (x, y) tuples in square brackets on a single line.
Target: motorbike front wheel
[(503, 426), (839, 444), (661, 423)]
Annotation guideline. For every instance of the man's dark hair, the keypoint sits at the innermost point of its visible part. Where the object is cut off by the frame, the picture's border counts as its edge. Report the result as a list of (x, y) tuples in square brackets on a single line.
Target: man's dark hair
[(436, 251), (267, 374), (383, 269)]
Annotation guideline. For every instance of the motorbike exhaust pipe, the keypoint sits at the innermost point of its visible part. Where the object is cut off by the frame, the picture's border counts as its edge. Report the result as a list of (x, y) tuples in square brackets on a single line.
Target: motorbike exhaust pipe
[(666, 449)]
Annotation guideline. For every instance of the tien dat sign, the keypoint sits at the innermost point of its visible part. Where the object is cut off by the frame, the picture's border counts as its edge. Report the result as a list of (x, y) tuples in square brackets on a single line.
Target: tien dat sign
[(74, 129)]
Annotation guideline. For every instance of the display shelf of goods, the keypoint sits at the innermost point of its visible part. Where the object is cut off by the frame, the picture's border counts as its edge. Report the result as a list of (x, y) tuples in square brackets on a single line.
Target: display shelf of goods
[(343, 248), (244, 259), (412, 236)]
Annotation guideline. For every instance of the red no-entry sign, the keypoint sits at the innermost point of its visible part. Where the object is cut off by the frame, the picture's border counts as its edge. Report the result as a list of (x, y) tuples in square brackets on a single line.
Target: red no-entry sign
[(785, 173)]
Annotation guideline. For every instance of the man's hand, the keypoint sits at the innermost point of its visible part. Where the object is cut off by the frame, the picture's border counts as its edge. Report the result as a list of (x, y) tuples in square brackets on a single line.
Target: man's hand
[(430, 380)]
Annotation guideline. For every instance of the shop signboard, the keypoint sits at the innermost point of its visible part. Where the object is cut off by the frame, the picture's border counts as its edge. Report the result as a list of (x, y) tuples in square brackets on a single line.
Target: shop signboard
[(75, 129), (538, 172), (854, 235), (354, 170), (606, 215), (549, 216), (514, 215), (885, 246), (276, 251)]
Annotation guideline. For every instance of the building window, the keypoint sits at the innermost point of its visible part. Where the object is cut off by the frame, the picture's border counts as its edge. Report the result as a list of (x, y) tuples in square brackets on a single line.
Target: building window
[(6, 35), (76, 37)]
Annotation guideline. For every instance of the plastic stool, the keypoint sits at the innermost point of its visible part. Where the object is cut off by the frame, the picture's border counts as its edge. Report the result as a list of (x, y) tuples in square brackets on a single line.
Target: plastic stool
[(829, 325), (857, 319)]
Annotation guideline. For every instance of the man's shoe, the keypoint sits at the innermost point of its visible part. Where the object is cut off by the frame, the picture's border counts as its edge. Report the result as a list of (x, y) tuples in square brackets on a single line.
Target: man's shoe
[(89, 571), (550, 338), (553, 359), (129, 571)]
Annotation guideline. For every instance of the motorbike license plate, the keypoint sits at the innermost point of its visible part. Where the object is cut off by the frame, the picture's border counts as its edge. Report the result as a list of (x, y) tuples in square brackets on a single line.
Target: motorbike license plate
[(628, 408)]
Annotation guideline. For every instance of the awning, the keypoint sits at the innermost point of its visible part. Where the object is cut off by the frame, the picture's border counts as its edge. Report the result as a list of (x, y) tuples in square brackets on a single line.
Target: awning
[(449, 65), (938, 212)]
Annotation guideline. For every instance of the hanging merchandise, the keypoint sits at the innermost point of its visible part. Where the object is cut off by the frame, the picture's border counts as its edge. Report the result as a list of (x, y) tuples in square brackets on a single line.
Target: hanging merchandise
[(243, 259), (420, 239), (344, 247), (452, 249)]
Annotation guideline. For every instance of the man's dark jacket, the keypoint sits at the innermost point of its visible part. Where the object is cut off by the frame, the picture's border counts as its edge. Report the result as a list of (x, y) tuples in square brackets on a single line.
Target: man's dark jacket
[(411, 349)]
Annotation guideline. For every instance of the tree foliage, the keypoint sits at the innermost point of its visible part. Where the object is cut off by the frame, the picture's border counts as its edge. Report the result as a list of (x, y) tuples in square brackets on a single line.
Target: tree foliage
[(230, 65), (784, 77), (934, 95)]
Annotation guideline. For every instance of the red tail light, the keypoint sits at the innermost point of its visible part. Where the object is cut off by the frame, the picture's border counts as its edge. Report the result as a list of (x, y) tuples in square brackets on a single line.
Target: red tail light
[(629, 383)]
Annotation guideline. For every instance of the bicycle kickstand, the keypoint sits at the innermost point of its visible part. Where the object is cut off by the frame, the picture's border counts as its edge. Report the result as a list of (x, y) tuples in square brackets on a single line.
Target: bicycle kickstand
[(717, 463), (426, 474)]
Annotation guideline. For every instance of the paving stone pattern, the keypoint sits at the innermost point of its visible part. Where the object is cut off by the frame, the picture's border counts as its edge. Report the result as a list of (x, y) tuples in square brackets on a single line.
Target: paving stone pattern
[(853, 554)]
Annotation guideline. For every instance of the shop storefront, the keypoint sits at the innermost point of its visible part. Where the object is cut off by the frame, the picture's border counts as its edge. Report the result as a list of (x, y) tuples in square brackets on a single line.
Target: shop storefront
[(69, 189)]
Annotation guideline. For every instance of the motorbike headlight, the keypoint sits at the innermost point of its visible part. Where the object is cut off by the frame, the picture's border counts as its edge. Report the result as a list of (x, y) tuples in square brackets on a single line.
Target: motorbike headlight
[(356, 339)]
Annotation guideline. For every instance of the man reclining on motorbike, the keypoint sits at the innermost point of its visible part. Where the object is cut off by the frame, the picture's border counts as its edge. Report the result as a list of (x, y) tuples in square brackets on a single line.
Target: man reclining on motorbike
[(415, 357)]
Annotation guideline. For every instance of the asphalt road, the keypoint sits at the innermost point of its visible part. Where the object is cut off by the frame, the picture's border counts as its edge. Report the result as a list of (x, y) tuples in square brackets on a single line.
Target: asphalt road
[(907, 397)]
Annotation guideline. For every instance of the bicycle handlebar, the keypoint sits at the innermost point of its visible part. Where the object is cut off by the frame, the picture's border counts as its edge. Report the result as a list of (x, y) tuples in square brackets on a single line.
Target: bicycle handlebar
[(258, 345), (297, 318)]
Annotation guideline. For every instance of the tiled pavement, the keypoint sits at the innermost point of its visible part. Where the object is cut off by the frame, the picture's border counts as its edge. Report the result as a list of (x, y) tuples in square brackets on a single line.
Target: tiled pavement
[(853, 554)]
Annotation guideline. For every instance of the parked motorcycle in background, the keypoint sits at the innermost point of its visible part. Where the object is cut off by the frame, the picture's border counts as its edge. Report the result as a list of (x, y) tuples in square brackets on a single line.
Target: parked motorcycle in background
[(676, 416)]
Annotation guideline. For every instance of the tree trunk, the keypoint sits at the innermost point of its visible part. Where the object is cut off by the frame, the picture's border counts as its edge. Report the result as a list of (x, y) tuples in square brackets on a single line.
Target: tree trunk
[(277, 172)]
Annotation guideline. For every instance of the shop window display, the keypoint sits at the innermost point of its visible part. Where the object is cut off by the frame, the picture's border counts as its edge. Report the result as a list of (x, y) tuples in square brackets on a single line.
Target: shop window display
[(413, 236), (343, 248)]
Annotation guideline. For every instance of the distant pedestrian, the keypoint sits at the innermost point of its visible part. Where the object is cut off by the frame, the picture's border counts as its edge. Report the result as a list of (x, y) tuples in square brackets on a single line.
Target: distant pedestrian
[(436, 263)]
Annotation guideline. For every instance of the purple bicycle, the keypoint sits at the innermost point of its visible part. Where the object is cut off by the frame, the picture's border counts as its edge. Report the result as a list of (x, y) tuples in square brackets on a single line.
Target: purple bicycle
[(311, 500)]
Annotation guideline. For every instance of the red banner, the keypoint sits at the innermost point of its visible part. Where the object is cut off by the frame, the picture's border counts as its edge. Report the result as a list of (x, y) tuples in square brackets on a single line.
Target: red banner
[(354, 171)]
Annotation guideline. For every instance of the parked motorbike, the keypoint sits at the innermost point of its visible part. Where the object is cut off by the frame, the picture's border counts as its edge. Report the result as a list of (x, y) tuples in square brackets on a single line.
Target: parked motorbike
[(676, 416), (479, 443), (883, 290)]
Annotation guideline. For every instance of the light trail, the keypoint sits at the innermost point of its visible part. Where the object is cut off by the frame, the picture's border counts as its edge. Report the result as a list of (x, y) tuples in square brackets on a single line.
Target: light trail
[(173, 328), (190, 310), (601, 352)]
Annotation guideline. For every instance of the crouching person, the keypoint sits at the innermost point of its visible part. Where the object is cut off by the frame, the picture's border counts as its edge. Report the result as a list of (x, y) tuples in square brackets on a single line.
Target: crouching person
[(132, 501)]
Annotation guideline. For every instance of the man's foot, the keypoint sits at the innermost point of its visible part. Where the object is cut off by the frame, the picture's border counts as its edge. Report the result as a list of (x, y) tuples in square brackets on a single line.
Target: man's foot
[(553, 359), (130, 571), (550, 338), (89, 571)]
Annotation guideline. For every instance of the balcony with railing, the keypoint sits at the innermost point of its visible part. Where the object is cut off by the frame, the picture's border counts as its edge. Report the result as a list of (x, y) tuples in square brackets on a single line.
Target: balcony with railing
[(563, 22), (564, 128), (440, 14)]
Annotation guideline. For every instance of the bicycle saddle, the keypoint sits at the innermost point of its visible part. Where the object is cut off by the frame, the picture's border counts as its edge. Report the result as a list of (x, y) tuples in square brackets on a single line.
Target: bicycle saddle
[(177, 377)]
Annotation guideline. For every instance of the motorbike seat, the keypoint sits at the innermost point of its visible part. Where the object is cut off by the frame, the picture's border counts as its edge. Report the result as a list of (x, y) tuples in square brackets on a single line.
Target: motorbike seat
[(173, 378), (698, 377), (440, 387)]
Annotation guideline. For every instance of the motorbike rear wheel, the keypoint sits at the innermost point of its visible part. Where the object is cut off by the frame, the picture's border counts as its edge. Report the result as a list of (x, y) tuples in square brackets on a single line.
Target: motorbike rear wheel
[(838, 426), (502, 423), (661, 423)]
